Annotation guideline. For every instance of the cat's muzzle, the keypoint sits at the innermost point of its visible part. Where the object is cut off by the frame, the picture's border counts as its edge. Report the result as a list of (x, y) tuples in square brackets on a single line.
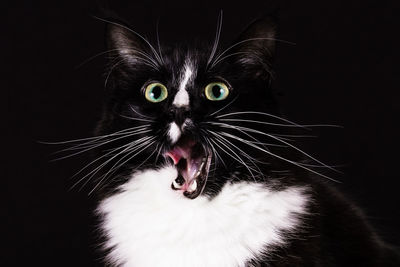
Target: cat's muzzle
[(193, 163)]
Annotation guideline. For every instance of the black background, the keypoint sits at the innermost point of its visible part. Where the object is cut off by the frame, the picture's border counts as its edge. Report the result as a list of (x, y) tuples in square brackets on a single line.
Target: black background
[(342, 70)]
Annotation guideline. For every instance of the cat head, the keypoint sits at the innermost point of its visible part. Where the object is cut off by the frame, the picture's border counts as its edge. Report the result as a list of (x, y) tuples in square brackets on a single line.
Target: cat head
[(190, 104)]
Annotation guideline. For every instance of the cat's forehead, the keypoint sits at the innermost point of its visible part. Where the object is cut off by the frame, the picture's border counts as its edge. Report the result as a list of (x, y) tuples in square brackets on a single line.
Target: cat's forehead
[(183, 59), (185, 66), (180, 53)]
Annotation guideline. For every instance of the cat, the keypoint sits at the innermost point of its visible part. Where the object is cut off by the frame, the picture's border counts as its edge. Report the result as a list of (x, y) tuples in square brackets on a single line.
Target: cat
[(197, 168)]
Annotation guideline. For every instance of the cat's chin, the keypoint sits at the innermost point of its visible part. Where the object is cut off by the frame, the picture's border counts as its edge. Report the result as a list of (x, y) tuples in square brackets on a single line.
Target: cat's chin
[(193, 162)]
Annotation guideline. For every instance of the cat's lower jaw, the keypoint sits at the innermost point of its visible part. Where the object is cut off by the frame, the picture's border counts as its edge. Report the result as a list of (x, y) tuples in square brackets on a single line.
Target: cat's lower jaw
[(149, 224)]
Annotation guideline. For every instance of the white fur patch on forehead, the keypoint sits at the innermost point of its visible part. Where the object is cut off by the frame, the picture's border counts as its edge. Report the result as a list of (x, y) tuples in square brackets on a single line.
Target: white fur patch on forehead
[(187, 75)]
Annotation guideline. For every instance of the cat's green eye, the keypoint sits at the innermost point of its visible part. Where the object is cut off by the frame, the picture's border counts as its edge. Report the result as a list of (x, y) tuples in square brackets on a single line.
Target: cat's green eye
[(216, 91), (156, 92)]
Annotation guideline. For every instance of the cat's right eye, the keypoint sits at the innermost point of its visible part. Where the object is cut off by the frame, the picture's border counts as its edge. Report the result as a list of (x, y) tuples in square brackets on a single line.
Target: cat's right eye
[(156, 92), (216, 91)]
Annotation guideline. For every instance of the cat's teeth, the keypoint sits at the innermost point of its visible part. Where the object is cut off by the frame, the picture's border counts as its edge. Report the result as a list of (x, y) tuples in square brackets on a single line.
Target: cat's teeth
[(177, 185), (193, 186)]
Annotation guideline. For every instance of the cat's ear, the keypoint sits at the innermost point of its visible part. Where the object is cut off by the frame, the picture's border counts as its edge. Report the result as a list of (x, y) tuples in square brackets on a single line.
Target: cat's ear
[(127, 44), (255, 47)]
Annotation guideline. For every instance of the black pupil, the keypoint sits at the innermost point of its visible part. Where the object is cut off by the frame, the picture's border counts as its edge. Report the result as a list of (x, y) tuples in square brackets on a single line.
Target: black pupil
[(156, 91), (217, 91)]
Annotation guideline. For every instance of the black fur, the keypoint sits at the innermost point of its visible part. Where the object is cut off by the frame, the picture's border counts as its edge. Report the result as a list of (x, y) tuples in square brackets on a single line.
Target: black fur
[(334, 233)]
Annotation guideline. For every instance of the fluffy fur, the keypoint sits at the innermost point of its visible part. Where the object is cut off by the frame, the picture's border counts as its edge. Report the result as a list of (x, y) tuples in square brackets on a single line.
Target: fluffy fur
[(148, 224)]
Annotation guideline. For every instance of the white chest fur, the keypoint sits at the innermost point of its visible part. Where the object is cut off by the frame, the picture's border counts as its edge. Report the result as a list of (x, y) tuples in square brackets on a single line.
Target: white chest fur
[(149, 224)]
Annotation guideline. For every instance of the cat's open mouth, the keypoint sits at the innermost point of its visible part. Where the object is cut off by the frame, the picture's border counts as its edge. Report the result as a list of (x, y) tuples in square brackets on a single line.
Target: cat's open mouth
[(193, 164)]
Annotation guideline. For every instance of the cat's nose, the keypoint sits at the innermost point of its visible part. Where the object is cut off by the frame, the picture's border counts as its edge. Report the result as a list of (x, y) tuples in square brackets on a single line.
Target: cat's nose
[(179, 114)]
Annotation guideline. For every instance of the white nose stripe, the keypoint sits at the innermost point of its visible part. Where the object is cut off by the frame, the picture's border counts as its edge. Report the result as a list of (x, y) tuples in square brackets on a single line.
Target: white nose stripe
[(182, 97)]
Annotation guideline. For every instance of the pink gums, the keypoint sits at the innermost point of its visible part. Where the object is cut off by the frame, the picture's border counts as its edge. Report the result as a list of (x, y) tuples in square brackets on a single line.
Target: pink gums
[(192, 164)]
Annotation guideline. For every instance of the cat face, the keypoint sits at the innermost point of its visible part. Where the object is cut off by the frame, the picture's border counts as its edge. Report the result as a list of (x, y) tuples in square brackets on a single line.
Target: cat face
[(182, 104)]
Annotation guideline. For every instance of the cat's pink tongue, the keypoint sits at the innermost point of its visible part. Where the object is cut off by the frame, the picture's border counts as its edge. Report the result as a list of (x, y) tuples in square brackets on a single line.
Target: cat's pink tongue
[(176, 154), (179, 152), (191, 170)]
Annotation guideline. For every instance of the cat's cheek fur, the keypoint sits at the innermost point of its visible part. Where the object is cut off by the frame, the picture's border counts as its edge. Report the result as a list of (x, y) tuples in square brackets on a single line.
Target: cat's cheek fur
[(148, 224)]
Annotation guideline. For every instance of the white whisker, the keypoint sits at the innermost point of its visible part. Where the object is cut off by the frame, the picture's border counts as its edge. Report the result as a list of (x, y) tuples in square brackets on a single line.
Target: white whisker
[(140, 114), (135, 119), (91, 174), (114, 167), (213, 148), (101, 144), (98, 168), (227, 56), (291, 161), (216, 40), (150, 140), (158, 43), (249, 40), (250, 158), (94, 161), (237, 158), (277, 117), (264, 122), (94, 137), (95, 142), (111, 70), (290, 145), (219, 110), (234, 127)]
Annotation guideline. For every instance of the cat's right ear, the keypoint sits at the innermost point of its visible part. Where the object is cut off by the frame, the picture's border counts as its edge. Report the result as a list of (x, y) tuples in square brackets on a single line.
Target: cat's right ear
[(126, 44), (254, 49)]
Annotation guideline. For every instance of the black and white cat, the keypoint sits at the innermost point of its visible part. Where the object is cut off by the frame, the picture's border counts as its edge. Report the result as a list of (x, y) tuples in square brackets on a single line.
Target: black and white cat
[(197, 168)]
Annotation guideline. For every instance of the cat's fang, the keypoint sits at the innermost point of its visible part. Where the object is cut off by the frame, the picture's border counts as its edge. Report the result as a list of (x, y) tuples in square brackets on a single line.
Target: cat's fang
[(175, 185), (193, 186), (178, 183)]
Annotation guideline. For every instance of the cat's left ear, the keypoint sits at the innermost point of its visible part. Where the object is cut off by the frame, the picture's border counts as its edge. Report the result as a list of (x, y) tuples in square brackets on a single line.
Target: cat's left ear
[(255, 47), (127, 44)]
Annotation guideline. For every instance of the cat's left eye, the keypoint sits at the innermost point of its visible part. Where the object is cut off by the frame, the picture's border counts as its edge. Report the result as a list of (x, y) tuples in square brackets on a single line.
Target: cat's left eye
[(156, 92), (216, 91)]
